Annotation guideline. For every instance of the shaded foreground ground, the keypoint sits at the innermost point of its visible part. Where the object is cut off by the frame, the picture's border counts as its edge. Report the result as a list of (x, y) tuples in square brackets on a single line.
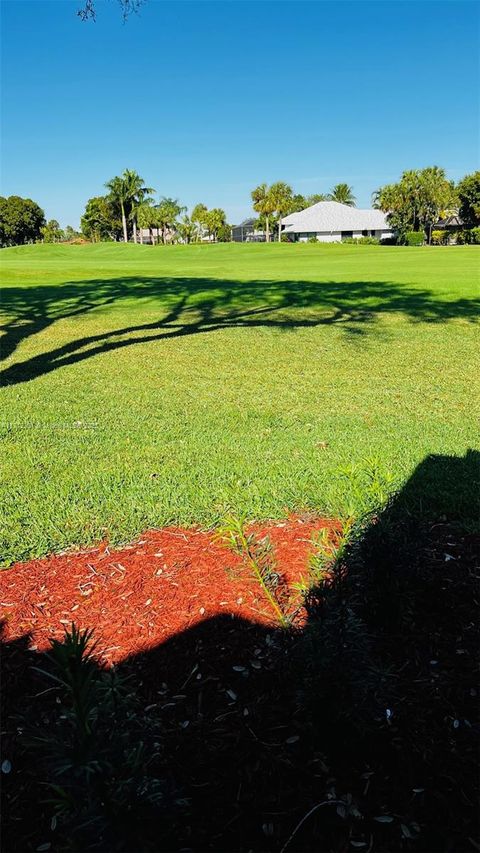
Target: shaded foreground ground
[(367, 716)]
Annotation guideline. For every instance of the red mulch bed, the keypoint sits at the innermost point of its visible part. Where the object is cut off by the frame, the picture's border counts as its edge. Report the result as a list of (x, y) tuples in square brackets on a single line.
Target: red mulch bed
[(144, 593)]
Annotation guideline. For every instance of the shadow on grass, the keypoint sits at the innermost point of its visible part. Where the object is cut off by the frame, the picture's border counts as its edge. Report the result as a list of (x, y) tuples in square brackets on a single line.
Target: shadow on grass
[(227, 735), (190, 306)]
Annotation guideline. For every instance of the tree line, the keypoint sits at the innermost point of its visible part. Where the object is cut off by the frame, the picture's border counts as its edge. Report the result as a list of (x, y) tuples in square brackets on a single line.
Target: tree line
[(422, 197), (128, 211)]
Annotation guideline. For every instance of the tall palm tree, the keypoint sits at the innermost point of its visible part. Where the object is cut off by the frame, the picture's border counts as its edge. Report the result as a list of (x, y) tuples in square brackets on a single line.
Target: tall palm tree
[(119, 194), (281, 194), (343, 194), (138, 195), (129, 192), (264, 203)]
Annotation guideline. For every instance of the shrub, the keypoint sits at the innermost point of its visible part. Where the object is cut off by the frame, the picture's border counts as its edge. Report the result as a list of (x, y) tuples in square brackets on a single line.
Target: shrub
[(440, 237), (362, 241), (284, 238), (414, 238), (475, 235), (312, 240)]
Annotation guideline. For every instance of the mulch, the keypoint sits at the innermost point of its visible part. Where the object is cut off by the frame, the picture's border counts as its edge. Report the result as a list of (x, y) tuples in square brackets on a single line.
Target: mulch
[(146, 592)]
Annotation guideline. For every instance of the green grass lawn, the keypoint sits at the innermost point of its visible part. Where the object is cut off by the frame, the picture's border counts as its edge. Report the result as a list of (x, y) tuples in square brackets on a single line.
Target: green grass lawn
[(148, 385)]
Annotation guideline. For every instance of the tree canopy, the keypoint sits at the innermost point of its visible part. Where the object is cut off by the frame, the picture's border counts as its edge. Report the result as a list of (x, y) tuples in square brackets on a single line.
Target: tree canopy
[(343, 194), (21, 221), (417, 201), (468, 190)]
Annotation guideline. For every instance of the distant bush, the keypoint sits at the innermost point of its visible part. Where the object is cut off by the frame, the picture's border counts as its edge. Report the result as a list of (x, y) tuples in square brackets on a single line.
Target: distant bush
[(414, 238), (475, 235), (284, 238), (389, 241), (312, 240), (362, 241)]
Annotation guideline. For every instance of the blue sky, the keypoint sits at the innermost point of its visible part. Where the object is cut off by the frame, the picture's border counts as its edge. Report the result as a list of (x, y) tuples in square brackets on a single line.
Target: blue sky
[(206, 100)]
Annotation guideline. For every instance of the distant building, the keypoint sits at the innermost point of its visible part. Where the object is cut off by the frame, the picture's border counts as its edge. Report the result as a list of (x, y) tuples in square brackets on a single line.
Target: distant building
[(332, 222), (246, 232)]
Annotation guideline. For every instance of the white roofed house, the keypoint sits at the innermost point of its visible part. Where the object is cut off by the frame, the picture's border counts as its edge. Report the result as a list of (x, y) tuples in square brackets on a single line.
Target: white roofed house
[(332, 222)]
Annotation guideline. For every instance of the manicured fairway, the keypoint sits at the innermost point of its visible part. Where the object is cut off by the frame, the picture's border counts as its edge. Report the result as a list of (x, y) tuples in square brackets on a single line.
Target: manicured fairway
[(151, 385)]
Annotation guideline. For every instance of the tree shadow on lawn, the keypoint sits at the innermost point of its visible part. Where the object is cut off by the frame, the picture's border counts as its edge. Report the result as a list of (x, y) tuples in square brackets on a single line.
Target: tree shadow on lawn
[(190, 306), (366, 716)]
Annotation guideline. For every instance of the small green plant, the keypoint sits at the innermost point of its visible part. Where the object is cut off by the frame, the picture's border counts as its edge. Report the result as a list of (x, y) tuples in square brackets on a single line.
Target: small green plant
[(475, 235), (312, 239), (258, 555), (97, 768), (329, 550), (414, 238)]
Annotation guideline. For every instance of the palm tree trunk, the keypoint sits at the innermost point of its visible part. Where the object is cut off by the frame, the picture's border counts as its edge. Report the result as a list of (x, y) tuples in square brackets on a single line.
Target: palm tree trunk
[(124, 224), (267, 228), (279, 227), (134, 230)]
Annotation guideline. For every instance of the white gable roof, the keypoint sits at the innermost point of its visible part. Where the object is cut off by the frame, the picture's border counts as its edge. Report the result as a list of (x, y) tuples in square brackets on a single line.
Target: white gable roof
[(333, 216)]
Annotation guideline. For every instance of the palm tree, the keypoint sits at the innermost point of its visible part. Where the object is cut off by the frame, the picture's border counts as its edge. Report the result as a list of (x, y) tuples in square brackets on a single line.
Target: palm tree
[(168, 211), (343, 194), (214, 220), (138, 195), (281, 194), (264, 203), (316, 197), (187, 229), (119, 194), (129, 192)]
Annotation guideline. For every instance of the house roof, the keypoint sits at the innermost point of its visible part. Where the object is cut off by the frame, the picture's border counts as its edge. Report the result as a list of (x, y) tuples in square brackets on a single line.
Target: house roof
[(333, 216), (250, 222)]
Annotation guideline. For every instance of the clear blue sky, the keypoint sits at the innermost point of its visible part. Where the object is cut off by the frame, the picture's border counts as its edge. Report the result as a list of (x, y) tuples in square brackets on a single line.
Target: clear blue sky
[(206, 100)]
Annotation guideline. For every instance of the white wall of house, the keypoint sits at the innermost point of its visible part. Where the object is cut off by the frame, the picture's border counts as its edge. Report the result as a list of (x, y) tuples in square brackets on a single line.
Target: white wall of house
[(336, 236)]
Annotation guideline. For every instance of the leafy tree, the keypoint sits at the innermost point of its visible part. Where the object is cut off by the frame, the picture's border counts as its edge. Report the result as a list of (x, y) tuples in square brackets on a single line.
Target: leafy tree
[(21, 221), (282, 195), (187, 229), (198, 218), (101, 220), (147, 218), (468, 190), (71, 233), (343, 194), (215, 220), (167, 213), (51, 232), (417, 201), (224, 233), (264, 204)]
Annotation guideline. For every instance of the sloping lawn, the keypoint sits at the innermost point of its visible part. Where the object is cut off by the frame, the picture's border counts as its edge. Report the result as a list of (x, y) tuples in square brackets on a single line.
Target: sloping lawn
[(149, 385)]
